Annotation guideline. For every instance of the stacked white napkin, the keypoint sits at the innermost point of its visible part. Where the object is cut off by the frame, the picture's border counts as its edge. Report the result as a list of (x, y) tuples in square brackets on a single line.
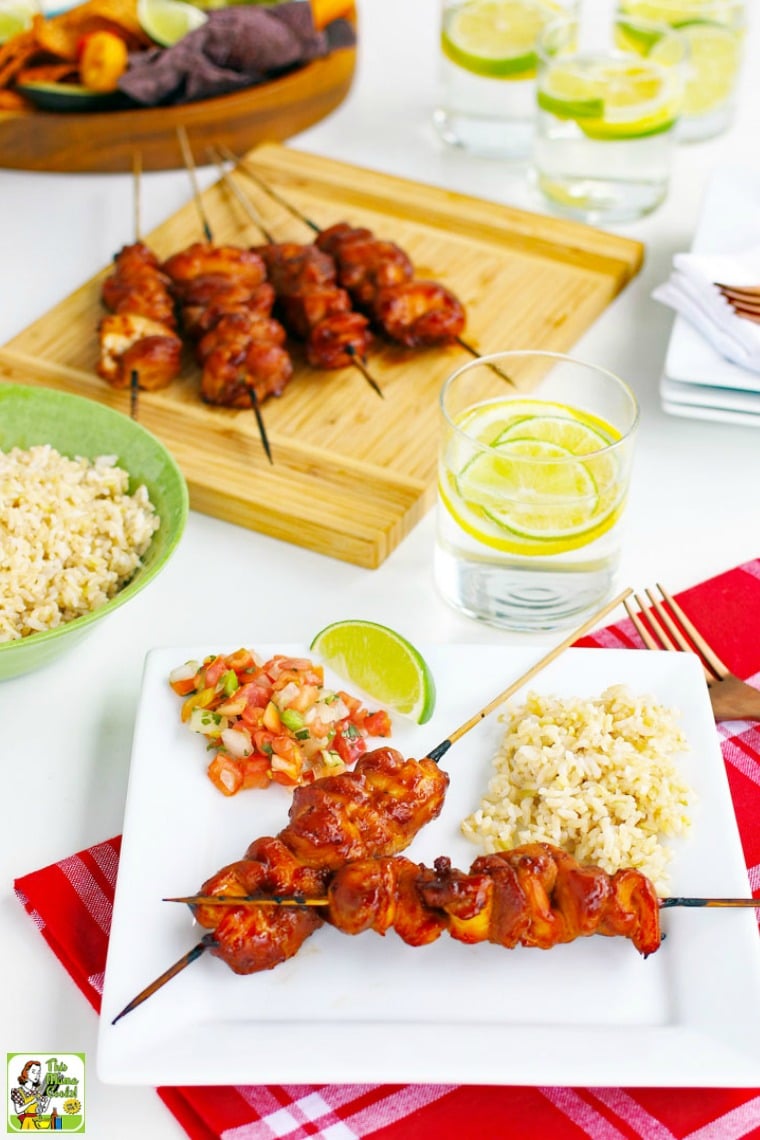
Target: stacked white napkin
[(692, 292)]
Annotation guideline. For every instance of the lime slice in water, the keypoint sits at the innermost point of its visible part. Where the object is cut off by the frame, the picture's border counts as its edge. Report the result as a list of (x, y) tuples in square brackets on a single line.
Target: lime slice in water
[(168, 21), (495, 38), (546, 484), (382, 663), (611, 99)]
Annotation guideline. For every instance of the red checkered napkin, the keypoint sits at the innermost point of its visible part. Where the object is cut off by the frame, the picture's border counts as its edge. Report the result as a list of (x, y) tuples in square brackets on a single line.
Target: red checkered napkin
[(71, 903)]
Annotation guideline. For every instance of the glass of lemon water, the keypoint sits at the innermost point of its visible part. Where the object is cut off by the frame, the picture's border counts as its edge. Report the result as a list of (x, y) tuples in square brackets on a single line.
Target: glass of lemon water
[(534, 468), (605, 132), (487, 73), (714, 30)]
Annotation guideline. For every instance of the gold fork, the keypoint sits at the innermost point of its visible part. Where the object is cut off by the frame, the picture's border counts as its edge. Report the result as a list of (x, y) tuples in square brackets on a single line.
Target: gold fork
[(743, 299), (731, 699)]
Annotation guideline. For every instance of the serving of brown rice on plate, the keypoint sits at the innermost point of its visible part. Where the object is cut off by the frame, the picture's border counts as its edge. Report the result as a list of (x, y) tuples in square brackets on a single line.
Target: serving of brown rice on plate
[(598, 777)]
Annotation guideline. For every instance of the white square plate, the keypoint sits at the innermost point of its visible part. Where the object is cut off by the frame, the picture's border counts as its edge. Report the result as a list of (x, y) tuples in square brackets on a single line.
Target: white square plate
[(373, 1009)]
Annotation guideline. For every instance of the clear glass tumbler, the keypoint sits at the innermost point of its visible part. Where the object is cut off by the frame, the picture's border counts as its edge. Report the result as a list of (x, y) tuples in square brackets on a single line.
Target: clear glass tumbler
[(486, 103), (714, 30), (605, 131), (535, 462)]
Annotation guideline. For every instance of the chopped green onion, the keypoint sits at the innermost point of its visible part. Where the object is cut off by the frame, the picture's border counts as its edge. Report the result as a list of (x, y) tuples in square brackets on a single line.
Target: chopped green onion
[(351, 732), (229, 682), (266, 748), (292, 719), (302, 734)]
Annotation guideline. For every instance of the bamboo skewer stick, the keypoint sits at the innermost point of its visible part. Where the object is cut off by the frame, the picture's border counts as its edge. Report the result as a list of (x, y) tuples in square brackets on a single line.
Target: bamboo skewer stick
[(192, 955), (435, 754), (249, 208), (300, 900), (441, 749), (187, 156)]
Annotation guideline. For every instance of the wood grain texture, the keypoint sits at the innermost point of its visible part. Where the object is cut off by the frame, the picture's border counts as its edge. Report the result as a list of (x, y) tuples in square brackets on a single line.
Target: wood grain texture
[(352, 473), (106, 140)]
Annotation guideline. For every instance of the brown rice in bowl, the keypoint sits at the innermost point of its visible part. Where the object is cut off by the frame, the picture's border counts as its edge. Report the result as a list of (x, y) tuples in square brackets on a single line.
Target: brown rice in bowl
[(71, 536), (598, 777)]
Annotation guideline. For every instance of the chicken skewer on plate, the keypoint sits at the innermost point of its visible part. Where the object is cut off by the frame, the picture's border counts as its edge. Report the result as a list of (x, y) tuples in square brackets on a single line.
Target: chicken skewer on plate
[(374, 809), (139, 336), (536, 895)]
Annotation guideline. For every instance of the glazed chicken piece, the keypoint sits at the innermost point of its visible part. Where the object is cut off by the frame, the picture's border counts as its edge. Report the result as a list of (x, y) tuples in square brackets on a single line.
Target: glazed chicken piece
[(140, 337), (380, 278), (376, 807), (133, 343), (312, 307), (204, 259), (243, 351)]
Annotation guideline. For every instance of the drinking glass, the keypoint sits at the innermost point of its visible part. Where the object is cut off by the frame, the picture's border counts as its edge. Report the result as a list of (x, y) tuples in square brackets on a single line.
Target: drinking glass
[(532, 487), (714, 30), (605, 130), (487, 76)]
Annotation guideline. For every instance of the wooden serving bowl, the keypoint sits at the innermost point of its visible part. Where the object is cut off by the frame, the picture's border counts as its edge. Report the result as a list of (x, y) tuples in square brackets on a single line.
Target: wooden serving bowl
[(106, 140)]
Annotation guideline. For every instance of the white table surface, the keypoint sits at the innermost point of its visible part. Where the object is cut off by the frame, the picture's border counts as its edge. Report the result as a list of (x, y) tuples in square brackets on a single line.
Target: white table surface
[(66, 731)]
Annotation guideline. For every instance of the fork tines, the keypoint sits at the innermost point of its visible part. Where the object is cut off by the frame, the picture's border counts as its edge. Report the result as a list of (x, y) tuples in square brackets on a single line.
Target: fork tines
[(743, 299), (664, 625)]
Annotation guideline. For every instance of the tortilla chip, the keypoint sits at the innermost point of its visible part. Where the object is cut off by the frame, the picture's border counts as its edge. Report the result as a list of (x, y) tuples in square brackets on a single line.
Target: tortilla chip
[(15, 53), (62, 35)]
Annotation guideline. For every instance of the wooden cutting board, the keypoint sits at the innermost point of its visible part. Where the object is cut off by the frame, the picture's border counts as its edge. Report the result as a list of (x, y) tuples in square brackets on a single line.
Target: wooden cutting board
[(352, 473)]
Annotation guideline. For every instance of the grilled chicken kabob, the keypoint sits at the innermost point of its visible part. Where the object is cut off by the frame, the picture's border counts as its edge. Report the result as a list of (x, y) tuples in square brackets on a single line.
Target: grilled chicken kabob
[(310, 303), (225, 309), (536, 895), (380, 278), (139, 344), (374, 809)]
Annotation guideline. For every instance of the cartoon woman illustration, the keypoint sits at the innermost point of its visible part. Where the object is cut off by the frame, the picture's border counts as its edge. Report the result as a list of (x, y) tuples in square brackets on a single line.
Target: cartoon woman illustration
[(29, 1100)]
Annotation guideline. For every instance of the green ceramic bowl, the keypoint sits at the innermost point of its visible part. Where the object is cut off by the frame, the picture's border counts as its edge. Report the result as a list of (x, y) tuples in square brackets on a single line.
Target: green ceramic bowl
[(77, 426)]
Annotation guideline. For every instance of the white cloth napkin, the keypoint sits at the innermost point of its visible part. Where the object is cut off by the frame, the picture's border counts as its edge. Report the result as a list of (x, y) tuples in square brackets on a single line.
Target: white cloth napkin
[(691, 291)]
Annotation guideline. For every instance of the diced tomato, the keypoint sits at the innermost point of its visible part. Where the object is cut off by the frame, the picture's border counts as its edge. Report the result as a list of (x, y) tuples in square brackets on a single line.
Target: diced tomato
[(352, 703), (215, 669), (348, 749), (377, 723), (226, 774), (256, 771)]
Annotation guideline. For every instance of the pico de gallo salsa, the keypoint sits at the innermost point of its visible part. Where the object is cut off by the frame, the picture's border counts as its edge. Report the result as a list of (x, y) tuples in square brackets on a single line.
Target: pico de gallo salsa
[(272, 721)]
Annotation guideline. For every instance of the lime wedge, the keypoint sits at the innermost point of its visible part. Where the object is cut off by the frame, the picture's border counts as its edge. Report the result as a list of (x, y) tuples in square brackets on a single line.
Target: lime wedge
[(168, 21), (15, 18), (380, 662), (714, 62), (495, 38)]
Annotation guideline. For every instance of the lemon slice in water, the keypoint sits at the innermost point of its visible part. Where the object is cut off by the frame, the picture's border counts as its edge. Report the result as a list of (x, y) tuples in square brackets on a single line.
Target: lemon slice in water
[(713, 64)]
